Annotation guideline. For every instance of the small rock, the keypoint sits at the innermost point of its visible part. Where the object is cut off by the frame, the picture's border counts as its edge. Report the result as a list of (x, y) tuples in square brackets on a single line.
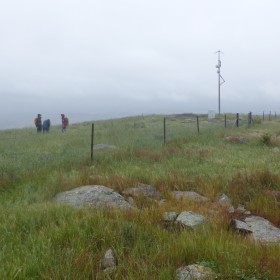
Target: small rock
[(145, 190), (190, 219), (189, 195), (223, 199), (240, 226), (195, 272), (241, 208), (169, 216), (231, 210), (109, 260)]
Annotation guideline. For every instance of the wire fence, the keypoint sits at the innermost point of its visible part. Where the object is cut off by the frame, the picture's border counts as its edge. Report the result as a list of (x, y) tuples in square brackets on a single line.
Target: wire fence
[(81, 140)]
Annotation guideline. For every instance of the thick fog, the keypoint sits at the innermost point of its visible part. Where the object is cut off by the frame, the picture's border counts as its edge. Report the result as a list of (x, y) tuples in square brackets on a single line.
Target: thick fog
[(105, 59)]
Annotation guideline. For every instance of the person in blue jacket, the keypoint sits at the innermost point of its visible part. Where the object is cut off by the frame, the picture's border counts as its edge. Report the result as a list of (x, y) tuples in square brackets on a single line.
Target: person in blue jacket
[(46, 125)]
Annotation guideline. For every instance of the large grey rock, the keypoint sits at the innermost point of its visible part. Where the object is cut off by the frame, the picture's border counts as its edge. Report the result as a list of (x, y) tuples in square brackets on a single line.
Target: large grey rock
[(262, 229), (190, 219), (93, 196), (189, 195), (145, 190), (195, 272)]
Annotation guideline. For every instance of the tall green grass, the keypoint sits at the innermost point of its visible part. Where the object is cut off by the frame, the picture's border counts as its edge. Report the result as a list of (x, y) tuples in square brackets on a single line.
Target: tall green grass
[(43, 240)]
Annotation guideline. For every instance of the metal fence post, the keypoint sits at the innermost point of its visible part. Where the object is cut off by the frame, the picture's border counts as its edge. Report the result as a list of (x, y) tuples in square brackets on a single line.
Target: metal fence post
[(225, 120), (237, 120), (92, 141), (249, 119), (164, 130)]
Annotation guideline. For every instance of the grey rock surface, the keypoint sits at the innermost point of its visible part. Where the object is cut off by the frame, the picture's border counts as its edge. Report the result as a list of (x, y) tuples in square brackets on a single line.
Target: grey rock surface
[(93, 196), (145, 190), (109, 259), (189, 195), (169, 216), (195, 272), (190, 219), (240, 226), (262, 229), (223, 199)]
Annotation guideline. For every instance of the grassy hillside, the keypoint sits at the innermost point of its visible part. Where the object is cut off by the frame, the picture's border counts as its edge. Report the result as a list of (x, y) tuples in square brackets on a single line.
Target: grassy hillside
[(43, 240)]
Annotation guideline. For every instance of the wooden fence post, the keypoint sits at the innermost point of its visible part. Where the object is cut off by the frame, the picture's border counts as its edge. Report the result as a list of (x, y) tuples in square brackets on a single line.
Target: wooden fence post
[(92, 141), (237, 120)]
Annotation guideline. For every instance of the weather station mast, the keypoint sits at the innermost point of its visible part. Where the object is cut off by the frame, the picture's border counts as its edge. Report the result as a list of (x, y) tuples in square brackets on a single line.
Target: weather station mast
[(220, 79)]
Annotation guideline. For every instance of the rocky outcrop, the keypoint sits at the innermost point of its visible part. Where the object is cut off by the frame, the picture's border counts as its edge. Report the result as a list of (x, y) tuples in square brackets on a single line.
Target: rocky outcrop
[(93, 196), (195, 272)]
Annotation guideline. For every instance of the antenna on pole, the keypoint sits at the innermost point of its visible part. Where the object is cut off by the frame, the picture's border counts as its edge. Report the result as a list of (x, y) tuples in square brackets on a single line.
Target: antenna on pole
[(218, 66)]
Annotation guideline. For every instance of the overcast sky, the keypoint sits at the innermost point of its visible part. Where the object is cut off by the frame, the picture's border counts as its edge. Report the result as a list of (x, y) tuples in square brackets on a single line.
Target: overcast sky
[(96, 59)]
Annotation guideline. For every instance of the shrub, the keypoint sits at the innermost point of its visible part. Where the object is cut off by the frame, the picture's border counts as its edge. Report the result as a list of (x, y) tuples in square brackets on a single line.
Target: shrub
[(266, 139)]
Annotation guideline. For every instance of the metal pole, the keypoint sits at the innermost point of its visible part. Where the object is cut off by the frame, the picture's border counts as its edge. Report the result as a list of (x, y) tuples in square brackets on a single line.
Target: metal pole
[(164, 130), (92, 141), (219, 92), (197, 122), (249, 119), (218, 66)]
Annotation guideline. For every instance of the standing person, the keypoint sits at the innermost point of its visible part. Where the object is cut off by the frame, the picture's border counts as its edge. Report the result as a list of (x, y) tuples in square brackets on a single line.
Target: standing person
[(64, 122), (38, 123), (46, 125)]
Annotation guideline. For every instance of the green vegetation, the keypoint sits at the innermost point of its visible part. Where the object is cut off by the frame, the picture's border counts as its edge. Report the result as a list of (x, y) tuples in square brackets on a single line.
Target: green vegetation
[(43, 240)]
